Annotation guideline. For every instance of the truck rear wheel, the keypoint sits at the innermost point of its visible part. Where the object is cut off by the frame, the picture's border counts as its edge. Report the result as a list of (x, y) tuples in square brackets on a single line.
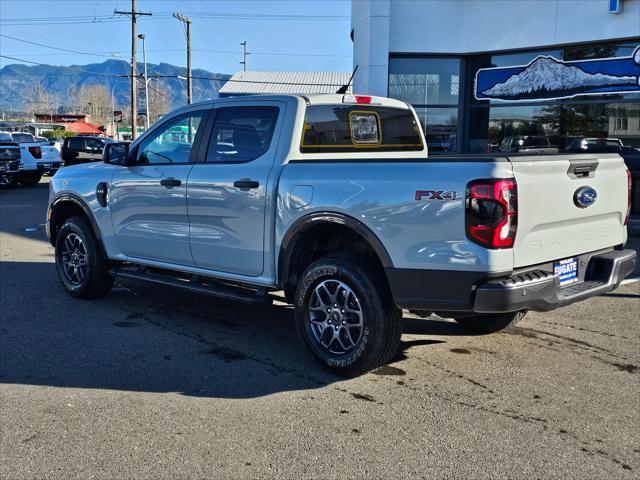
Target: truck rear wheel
[(346, 316), (30, 179), (490, 322), (82, 269)]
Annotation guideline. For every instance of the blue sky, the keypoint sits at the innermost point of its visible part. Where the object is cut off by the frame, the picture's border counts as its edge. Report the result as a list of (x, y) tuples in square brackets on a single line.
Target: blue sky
[(277, 43)]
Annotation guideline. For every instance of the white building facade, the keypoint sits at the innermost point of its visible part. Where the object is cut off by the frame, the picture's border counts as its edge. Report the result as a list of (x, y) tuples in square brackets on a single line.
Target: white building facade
[(469, 68)]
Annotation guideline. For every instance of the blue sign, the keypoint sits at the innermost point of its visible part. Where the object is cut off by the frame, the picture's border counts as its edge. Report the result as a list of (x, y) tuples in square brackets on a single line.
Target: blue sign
[(615, 6), (548, 78)]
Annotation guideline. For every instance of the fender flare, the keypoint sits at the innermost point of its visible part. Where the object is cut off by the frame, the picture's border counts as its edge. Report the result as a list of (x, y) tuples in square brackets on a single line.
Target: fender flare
[(302, 224), (76, 200)]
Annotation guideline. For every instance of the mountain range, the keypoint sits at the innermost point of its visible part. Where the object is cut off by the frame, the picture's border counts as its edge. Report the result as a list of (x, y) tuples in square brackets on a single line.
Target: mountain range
[(18, 82), (546, 74)]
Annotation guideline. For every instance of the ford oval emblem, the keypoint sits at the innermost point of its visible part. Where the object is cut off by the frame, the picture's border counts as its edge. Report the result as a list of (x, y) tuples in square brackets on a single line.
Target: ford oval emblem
[(585, 197)]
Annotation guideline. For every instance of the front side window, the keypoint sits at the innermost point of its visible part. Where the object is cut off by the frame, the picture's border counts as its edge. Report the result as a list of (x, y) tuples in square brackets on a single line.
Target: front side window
[(172, 141), (241, 134), (355, 128)]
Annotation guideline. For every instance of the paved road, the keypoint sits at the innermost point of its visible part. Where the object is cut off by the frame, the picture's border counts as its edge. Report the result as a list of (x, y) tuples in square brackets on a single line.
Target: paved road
[(154, 383)]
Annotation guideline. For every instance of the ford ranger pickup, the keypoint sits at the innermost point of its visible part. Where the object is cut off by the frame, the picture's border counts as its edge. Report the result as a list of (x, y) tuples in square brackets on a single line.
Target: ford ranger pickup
[(334, 201)]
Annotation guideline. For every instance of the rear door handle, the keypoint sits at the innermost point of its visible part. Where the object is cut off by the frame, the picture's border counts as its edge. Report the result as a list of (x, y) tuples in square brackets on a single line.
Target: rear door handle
[(170, 182), (246, 184)]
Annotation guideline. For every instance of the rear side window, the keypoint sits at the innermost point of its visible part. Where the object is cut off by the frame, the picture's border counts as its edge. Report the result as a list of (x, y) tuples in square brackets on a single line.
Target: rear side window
[(356, 128), (241, 134)]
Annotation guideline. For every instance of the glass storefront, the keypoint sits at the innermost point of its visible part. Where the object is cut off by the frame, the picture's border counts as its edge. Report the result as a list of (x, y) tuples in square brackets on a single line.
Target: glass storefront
[(454, 121), (432, 86)]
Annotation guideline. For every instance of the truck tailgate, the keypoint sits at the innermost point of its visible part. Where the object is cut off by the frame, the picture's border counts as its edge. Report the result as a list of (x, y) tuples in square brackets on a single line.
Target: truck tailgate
[(551, 223)]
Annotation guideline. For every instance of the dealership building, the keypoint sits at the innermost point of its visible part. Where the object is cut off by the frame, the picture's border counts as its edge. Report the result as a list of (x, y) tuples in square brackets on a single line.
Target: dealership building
[(481, 73)]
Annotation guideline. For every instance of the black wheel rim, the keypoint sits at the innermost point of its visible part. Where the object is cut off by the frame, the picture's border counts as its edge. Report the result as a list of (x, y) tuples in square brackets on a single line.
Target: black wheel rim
[(336, 319), (74, 259)]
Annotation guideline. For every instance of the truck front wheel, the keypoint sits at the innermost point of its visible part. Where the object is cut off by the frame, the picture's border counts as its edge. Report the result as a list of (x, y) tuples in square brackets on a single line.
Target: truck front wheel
[(83, 270), (345, 315), (490, 322)]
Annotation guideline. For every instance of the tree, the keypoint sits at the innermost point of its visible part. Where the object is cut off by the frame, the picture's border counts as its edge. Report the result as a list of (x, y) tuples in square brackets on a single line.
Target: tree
[(40, 100), (159, 100)]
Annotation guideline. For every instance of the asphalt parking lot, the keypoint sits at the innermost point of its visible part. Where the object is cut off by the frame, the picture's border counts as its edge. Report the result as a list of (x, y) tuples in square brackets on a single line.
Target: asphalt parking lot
[(150, 382)]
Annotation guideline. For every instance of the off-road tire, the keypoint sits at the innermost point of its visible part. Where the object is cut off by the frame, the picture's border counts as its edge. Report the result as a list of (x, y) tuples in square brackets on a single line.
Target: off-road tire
[(97, 282), (30, 179), (490, 322), (382, 320)]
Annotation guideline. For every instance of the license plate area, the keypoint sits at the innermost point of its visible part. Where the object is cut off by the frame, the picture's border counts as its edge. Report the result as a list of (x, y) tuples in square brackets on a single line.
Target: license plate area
[(566, 270)]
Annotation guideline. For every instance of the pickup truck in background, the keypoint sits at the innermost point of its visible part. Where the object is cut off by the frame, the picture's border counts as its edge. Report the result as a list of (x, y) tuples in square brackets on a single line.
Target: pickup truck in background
[(334, 200), (9, 161), (36, 158)]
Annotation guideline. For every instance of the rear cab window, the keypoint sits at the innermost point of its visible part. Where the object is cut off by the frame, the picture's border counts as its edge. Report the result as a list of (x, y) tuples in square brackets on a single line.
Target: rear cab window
[(359, 128)]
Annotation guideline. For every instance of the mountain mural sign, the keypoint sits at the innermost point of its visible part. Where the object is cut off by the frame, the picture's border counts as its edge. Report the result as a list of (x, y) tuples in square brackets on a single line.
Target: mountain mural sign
[(547, 78)]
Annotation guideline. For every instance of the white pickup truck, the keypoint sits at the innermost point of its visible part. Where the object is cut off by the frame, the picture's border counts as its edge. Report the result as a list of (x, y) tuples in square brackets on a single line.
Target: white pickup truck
[(36, 158), (334, 200)]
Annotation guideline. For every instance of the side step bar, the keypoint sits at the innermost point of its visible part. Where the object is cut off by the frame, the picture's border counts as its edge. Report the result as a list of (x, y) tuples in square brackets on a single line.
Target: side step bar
[(197, 283)]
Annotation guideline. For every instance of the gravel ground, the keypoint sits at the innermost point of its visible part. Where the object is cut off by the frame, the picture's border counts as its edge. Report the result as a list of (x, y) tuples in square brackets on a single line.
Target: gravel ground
[(151, 382)]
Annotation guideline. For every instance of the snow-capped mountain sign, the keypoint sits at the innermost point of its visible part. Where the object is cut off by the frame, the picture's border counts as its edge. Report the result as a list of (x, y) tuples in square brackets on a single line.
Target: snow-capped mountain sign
[(547, 78)]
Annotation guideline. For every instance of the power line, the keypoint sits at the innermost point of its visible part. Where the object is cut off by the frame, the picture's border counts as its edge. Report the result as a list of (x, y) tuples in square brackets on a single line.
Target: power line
[(52, 47)]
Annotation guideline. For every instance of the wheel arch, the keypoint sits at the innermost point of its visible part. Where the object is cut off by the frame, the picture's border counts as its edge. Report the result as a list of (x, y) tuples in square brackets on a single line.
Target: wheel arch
[(300, 230), (66, 206)]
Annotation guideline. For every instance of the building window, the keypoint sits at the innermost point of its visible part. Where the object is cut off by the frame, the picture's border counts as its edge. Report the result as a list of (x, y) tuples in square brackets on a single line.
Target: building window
[(432, 86), (557, 124)]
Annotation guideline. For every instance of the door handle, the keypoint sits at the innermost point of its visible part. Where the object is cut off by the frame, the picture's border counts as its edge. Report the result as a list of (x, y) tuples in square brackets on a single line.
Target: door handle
[(170, 182), (246, 184)]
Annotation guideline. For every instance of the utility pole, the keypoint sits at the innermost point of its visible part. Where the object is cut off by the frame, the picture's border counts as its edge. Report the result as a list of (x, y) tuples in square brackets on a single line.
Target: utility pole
[(244, 56), (187, 22), (134, 109)]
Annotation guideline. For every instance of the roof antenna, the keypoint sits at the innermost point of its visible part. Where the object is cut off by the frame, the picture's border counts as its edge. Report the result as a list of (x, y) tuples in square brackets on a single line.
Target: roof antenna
[(343, 89)]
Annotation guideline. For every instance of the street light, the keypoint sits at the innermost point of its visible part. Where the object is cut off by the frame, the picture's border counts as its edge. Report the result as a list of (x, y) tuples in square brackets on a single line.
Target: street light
[(113, 109), (146, 81)]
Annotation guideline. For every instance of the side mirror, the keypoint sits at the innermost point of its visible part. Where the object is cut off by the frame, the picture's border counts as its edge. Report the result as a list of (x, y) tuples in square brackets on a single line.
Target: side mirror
[(116, 153)]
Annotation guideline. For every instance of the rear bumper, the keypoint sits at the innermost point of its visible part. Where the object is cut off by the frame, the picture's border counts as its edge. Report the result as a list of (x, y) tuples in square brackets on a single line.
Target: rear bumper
[(534, 289), (541, 291)]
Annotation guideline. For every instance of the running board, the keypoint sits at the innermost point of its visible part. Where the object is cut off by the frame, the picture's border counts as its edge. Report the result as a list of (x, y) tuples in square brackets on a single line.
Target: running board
[(197, 283)]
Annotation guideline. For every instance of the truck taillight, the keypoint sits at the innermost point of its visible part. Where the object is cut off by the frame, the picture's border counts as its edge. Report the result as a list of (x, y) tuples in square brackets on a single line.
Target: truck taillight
[(629, 181), (491, 215), (36, 152)]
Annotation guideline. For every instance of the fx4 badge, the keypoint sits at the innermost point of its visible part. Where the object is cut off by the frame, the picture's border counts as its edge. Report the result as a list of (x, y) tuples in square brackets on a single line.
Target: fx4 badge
[(435, 195)]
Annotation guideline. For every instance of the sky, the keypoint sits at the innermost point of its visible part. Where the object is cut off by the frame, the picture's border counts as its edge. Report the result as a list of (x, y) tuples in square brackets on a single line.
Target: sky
[(289, 35)]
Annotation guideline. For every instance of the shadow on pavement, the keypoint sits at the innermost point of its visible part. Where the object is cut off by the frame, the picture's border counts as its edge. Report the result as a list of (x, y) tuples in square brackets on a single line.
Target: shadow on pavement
[(148, 338)]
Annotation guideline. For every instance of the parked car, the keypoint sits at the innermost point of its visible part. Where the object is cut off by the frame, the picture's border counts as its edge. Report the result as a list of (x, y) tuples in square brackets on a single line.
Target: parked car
[(631, 158), (36, 158), (527, 144), (333, 200), (76, 150), (9, 161)]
